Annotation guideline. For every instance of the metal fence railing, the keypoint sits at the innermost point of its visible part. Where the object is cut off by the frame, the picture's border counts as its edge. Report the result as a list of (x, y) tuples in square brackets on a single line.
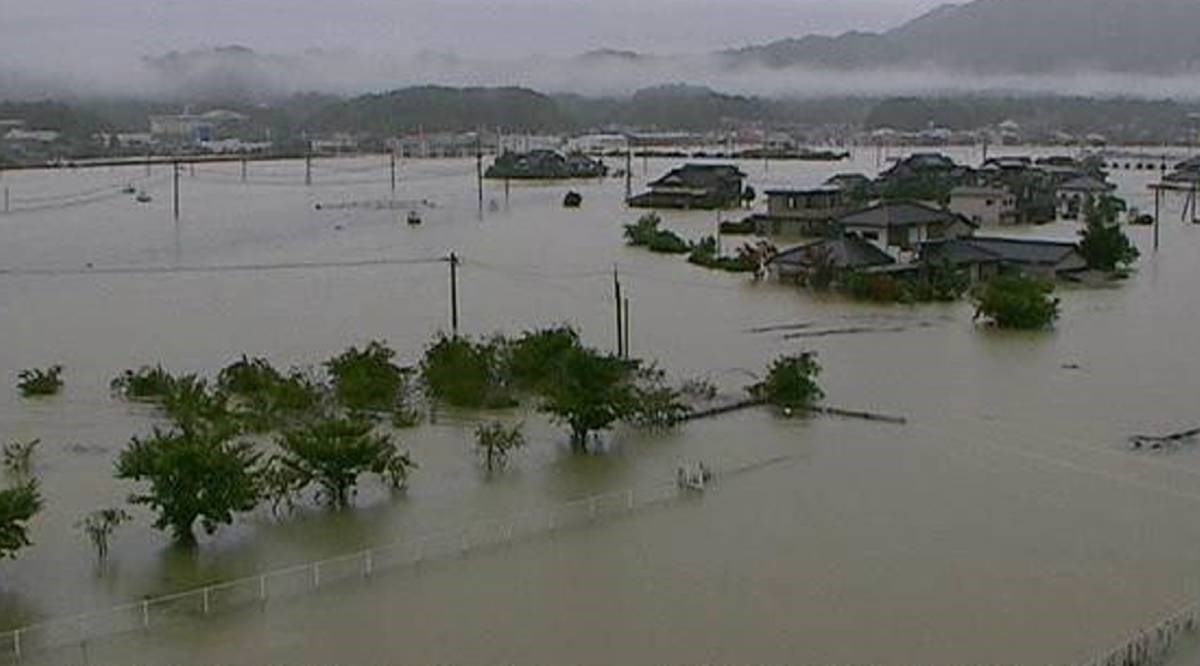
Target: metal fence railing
[(261, 588), (1154, 645)]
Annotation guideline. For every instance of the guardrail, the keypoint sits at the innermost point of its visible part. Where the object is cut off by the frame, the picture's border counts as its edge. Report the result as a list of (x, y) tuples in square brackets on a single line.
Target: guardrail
[(1151, 646), (288, 581)]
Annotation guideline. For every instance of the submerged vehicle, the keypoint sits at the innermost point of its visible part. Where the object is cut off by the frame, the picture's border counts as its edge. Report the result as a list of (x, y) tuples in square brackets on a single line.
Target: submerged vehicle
[(414, 218), (143, 197), (573, 199)]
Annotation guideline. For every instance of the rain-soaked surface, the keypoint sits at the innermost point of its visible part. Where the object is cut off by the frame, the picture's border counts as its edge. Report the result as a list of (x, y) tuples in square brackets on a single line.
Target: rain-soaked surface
[(1006, 523)]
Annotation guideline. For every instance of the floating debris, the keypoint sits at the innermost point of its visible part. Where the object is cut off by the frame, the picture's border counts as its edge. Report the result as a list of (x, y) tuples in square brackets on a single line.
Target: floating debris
[(1163, 442)]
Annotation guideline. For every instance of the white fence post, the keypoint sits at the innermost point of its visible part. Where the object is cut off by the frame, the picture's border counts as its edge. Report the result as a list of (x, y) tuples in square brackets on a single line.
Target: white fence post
[(205, 593), (367, 563), (316, 574), (629, 499), (592, 508), (145, 614), (262, 588), (17, 643)]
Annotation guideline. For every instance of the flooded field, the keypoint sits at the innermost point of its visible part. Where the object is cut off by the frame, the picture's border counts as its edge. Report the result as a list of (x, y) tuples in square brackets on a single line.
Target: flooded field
[(1006, 523)]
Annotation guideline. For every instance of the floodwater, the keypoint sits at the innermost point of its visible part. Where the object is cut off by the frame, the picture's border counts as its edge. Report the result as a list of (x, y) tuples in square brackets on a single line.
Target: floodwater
[(1006, 523)]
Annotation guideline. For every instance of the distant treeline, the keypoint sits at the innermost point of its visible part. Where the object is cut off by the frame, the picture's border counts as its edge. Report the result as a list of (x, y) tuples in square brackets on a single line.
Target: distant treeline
[(675, 107)]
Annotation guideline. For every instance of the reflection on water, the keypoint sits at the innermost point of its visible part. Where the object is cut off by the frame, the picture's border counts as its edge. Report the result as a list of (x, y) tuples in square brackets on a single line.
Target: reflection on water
[(1006, 523)]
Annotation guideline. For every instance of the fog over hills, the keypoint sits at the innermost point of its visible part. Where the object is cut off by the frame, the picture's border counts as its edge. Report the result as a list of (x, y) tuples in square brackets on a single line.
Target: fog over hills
[(1136, 48)]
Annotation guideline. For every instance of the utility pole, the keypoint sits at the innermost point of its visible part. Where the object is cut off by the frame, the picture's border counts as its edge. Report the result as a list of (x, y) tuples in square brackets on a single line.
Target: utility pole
[(175, 189), (308, 164), (147, 164), (393, 169), (626, 348), (243, 169), (628, 170), (6, 199), (454, 294), (620, 319), (479, 169), (1158, 198)]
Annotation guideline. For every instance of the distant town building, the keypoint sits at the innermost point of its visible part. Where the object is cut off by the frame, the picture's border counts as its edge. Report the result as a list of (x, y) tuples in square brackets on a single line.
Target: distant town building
[(1076, 194), (846, 253), (599, 144), (18, 135), (985, 256), (545, 165), (194, 128)]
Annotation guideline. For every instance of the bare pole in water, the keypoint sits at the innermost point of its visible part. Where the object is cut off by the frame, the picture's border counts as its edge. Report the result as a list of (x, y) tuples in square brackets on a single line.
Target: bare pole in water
[(628, 169), (626, 347), (6, 198), (308, 163), (479, 169), (175, 189), (243, 169), (454, 293), (392, 165), (620, 320), (1158, 198)]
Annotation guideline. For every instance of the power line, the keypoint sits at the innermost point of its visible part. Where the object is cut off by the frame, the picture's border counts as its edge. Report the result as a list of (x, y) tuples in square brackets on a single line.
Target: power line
[(228, 268)]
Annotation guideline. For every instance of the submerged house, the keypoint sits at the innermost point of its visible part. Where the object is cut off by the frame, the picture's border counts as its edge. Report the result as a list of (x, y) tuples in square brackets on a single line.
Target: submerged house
[(847, 253), (705, 186), (802, 212), (1075, 194), (985, 256), (545, 165), (985, 206), (900, 227)]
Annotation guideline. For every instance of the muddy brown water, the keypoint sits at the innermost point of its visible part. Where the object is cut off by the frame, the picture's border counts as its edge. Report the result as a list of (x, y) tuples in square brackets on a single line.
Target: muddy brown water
[(1007, 523)]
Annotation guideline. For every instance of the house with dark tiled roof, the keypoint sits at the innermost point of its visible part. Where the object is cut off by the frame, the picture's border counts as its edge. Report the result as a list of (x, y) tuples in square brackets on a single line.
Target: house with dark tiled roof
[(1075, 194), (705, 186), (900, 227), (985, 256), (847, 253)]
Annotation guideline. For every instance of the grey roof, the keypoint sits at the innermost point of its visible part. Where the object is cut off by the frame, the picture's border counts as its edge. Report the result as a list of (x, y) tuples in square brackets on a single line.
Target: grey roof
[(845, 252), (824, 189), (968, 191), (1087, 184), (1018, 251), (701, 175), (900, 214)]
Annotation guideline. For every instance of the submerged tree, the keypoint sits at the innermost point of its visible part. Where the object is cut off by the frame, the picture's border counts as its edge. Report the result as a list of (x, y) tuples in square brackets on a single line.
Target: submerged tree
[(464, 373), (366, 379), (263, 398), (332, 454), (18, 505), (496, 440), (18, 456), (791, 382), (195, 474), (1014, 301), (99, 525), (1102, 242), (590, 392), (145, 383), (40, 382)]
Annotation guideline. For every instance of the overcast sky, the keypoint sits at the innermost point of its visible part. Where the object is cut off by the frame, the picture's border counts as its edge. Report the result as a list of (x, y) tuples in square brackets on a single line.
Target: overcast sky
[(46, 32)]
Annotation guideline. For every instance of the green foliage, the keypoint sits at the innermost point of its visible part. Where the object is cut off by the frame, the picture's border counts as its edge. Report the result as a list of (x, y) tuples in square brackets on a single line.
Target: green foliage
[(40, 382), (741, 228), (875, 288), (263, 399), (18, 456), (463, 373), (496, 440), (18, 505), (145, 383), (1102, 242), (933, 283), (193, 405), (591, 391), (99, 526), (531, 359), (646, 233), (704, 253), (658, 406), (332, 454), (791, 382), (196, 474), (366, 380), (1014, 301)]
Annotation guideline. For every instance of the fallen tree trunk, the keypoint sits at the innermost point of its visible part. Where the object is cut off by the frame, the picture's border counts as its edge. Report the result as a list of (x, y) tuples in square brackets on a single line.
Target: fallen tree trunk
[(740, 405)]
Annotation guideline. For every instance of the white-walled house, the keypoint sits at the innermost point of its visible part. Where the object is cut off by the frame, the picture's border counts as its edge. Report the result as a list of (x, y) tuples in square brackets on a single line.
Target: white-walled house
[(899, 228), (985, 206)]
